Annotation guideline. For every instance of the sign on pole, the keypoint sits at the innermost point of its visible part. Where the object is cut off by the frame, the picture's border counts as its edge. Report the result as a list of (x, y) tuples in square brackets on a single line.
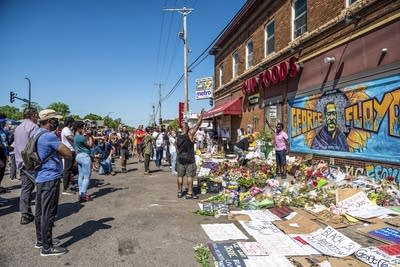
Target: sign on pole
[(204, 88)]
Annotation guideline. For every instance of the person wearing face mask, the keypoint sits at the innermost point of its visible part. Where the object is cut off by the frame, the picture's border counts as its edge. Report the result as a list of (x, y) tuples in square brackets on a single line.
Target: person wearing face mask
[(281, 148), (47, 178), (83, 142), (104, 151)]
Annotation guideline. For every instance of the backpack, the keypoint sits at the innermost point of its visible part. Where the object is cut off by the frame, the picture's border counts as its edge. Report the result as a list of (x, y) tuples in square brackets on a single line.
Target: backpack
[(30, 156)]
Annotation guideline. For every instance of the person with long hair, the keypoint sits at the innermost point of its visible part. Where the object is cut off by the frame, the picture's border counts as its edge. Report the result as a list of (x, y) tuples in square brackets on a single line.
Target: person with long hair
[(83, 142)]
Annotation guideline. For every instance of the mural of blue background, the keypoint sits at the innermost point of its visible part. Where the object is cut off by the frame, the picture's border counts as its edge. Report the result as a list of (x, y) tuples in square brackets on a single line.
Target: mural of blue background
[(380, 146)]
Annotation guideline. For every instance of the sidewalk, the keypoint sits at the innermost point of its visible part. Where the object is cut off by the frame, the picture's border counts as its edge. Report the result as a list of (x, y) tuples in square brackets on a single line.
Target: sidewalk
[(134, 220)]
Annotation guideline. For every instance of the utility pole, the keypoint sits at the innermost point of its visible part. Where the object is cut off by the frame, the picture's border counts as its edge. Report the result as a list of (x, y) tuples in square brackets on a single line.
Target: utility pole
[(154, 115), (183, 35), (159, 99)]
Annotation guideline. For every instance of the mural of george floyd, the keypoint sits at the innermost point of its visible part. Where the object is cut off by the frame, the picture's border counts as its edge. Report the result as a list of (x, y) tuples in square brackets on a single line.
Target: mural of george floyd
[(360, 121)]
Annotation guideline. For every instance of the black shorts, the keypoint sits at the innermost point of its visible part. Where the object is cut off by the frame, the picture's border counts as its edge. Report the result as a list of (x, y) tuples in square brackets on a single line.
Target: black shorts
[(139, 148), (280, 157), (124, 153)]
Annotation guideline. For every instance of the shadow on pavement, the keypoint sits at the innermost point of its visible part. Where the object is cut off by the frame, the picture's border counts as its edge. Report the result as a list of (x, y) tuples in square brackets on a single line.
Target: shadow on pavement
[(105, 191), (85, 230), (67, 209), (11, 206)]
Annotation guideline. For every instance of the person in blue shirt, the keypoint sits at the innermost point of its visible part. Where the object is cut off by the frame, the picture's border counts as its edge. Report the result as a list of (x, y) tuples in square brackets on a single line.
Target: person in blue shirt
[(47, 178), (104, 151)]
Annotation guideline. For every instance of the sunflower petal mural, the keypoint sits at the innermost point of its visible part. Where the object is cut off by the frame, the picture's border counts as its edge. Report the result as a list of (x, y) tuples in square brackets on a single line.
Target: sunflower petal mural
[(359, 121)]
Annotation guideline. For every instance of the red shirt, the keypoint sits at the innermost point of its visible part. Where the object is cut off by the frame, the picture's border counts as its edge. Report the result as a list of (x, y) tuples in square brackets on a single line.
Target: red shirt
[(139, 136)]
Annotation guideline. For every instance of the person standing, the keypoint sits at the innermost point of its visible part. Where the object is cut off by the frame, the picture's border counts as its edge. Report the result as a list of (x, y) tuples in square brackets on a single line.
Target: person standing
[(139, 137), (124, 148), (83, 142), (21, 137), (147, 149), (281, 148), (67, 138), (186, 161), (172, 150), (159, 143), (3, 150), (48, 176)]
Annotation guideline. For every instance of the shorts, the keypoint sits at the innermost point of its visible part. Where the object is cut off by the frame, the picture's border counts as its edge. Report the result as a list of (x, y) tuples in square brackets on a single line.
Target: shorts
[(280, 157), (124, 153), (188, 170)]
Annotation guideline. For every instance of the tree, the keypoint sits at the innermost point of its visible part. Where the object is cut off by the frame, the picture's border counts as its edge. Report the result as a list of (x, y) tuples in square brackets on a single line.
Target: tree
[(11, 112), (61, 108), (76, 117), (92, 117), (33, 104), (174, 124)]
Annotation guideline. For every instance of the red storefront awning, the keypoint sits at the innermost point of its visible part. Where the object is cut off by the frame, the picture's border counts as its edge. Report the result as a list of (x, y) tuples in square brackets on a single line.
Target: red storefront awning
[(232, 107)]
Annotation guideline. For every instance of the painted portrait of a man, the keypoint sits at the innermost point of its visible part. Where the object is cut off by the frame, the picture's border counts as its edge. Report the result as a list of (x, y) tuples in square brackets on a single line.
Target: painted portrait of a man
[(330, 137)]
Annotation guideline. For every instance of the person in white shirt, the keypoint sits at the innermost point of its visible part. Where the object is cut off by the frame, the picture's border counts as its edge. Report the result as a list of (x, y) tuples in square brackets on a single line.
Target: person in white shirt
[(172, 151), (67, 138), (158, 137), (200, 138)]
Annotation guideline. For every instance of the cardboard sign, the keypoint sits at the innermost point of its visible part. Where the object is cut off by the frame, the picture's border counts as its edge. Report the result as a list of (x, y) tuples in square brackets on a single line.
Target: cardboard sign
[(253, 249), (369, 212), (331, 242), (386, 234), (281, 212), (392, 250), (228, 254), (221, 232), (334, 220), (354, 202), (297, 225), (375, 257)]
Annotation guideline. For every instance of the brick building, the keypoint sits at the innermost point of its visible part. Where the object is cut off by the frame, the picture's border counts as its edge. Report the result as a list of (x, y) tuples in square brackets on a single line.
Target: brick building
[(328, 69)]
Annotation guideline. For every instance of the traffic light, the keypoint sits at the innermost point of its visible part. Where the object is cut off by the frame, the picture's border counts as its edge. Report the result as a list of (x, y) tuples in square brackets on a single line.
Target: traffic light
[(12, 97)]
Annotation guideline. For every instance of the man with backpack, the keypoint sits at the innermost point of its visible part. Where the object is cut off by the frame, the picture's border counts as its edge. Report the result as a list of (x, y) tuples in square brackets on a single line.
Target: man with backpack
[(21, 136), (48, 175)]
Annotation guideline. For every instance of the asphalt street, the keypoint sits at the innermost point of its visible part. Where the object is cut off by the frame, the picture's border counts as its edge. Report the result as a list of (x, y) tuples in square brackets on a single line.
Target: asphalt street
[(133, 220)]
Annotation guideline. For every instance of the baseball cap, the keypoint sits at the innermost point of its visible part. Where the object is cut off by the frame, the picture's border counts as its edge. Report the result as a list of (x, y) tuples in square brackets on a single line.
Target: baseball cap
[(48, 114)]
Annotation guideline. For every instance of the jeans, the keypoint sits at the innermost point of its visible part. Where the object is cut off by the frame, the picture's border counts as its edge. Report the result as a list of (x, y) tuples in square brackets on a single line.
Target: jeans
[(173, 163), (67, 172), (13, 167), (159, 155), (46, 209), (105, 166), (27, 187), (84, 168)]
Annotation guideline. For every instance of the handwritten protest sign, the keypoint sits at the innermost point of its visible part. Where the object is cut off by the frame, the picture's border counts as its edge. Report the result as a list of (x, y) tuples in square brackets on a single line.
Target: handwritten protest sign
[(376, 258), (253, 248), (331, 242), (387, 234), (220, 232), (227, 254)]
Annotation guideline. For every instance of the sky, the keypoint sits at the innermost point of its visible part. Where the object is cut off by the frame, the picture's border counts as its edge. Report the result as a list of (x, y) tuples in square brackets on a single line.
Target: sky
[(107, 56)]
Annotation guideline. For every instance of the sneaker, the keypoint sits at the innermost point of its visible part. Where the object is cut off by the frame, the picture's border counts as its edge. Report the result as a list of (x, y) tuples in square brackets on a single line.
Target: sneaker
[(85, 198), (53, 251), (55, 243), (27, 219)]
